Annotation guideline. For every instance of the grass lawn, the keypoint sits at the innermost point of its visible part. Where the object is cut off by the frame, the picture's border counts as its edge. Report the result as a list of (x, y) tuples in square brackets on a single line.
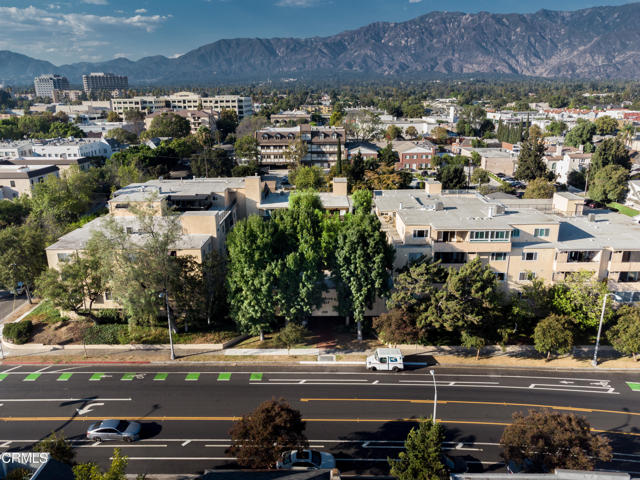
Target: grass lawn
[(629, 212), (45, 313)]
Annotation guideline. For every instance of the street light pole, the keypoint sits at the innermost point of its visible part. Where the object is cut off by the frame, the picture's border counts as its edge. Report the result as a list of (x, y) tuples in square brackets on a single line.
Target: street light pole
[(435, 395), (166, 299), (594, 362)]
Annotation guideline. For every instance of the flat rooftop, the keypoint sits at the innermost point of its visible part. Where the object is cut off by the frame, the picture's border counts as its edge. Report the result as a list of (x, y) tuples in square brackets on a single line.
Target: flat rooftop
[(137, 192)]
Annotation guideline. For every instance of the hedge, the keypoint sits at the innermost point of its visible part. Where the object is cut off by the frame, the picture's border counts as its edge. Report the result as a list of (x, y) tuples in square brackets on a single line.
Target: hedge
[(18, 332)]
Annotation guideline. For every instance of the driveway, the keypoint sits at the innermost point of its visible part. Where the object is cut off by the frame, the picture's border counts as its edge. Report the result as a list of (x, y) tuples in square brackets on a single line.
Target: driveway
[(6, 303)]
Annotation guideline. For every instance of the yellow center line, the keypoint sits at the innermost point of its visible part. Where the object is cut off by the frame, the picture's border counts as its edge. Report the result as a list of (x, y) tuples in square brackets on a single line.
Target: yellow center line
[(464, 402), (233, 419)]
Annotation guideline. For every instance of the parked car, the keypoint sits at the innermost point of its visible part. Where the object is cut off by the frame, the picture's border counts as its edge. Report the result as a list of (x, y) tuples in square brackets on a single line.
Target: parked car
[(19, 290), (114, 430), (306, 460), (500, 175), (386, 359)]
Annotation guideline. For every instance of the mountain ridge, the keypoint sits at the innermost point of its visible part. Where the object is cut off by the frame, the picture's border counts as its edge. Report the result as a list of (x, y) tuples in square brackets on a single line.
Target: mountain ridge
[(592, 43)]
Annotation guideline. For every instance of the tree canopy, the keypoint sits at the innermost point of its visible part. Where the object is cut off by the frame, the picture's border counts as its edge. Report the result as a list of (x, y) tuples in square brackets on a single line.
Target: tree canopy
[(422, 455), (609, 184)]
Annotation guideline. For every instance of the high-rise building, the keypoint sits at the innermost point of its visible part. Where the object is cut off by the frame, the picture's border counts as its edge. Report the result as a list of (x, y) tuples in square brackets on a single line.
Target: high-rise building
[(104, 81), (47, 84)]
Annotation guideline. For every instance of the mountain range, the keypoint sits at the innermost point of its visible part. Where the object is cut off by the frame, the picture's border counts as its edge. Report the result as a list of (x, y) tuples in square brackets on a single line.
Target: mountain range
[(595, 43)]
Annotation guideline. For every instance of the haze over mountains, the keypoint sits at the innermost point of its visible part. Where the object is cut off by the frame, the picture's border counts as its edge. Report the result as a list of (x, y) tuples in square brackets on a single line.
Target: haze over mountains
[(598, 43)]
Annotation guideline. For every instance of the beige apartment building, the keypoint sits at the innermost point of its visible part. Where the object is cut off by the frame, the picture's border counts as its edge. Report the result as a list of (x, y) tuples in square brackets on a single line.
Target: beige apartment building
[(243, 106), (321, 142), (519, 240), (16, 180)]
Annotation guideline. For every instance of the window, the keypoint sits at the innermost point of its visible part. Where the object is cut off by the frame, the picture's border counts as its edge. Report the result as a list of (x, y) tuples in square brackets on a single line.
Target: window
[(581, 256), (541, 232), (107, 295), (419, 233), (479, 236), (515, 233), (530, 256), (629, 277), (526, 276), (499, 276), (13, 183), (64, 257), (446, 236), (450, 257), (499, 256), (491, 236), (413, 256)]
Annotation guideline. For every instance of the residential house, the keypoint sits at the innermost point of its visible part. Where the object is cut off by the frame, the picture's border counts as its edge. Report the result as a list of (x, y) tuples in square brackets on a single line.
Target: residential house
[(495, 160), (16, 180)]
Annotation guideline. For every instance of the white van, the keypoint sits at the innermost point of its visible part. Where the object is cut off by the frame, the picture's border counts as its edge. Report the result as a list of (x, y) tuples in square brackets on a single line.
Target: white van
[(386, 359)]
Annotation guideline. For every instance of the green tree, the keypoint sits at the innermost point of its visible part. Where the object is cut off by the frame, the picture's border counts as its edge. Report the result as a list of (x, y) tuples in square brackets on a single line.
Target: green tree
[(168, 125), (580, 298), (356, 171), (64, 199), (362, 201), (539, 188), (530, 163), (468, 301), (296, 152), (22, 256), (227, 123), (142, 268), (113, 117), (440, 134), (388, 156), (250, 125), (609, 184), (553, 335), (252, 277), (452, 177), (14, 212), (246, 148), (290, 335), (259, 437), (474, 342), (307, 178), (58, 447), (122, 135), (393, 132), (557, 127), (480, 176), (212, 163), (543, 441), (91, 471), (337, 115), (411, 132), (363, 261), (422, 455), (606, 125), (577, 179), (386, 177), (625, 334), (397, 327), (581, 134), (134, 115), (248, 170), (610, 152)]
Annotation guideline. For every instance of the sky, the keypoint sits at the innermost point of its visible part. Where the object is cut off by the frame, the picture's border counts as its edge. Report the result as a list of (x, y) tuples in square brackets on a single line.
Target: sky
[(69, 31)]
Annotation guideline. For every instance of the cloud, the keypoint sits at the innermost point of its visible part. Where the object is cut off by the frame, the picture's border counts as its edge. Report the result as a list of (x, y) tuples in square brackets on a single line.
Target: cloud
[(296, 3), (141, 10), (176, 55), (96, 2)]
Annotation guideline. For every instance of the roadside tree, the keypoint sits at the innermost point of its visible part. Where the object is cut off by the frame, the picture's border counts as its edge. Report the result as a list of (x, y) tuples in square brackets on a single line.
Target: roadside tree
[(580, 298), (422, 457), (260, 437), (543, 441), (539, 188), (480, 176), (609, 184), (91, 471), (611, 151), (58, 447), (290, 335), (625, 334), (553, 335), (452, 177)]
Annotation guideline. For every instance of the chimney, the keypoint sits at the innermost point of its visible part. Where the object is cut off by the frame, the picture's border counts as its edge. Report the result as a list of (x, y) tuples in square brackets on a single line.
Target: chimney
[(340, 186), (559, 150), (432, 187), (581, 148)]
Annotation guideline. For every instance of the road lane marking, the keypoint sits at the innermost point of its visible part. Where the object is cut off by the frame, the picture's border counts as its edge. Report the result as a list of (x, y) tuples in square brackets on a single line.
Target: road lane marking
[(186, 459), (224, 377), (3, 376), (64, 377), (185, 443), (96, 377), (65, 399), (10, 369), (160, 377), (88, 408), (634, 386), (224, 445), (127, 377), (192, 377), (255, 377), (32, 377)]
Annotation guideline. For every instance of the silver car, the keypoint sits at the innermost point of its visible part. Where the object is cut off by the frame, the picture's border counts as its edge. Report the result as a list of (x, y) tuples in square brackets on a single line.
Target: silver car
[(306, 460), (114, 430)]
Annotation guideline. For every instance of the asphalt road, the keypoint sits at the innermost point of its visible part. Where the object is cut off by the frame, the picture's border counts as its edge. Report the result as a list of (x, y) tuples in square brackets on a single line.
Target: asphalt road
[(6, 302), (360, 417)]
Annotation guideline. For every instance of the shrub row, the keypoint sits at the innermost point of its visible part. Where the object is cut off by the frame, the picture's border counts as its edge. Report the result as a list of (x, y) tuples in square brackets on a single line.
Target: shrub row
[(18, 332)]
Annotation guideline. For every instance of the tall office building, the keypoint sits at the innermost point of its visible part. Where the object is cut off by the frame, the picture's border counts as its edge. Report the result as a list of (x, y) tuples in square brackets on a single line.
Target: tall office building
[(104, 81), (46, 84)]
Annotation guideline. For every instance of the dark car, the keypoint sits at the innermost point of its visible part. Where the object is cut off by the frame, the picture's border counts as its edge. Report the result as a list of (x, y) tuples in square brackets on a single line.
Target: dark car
[(455, 464), (501, 175), (114, 430)]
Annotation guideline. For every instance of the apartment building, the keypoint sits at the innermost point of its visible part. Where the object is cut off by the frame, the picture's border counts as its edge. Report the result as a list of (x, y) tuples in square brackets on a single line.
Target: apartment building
[(196, 118), (295, 116), (495, 160), (321, 142), (565, 161), (16, 180), (243, 106), (47, 85), (72, 148), (518, 239), (15, 149), (81, 163), (104, 81), (417, 155)]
